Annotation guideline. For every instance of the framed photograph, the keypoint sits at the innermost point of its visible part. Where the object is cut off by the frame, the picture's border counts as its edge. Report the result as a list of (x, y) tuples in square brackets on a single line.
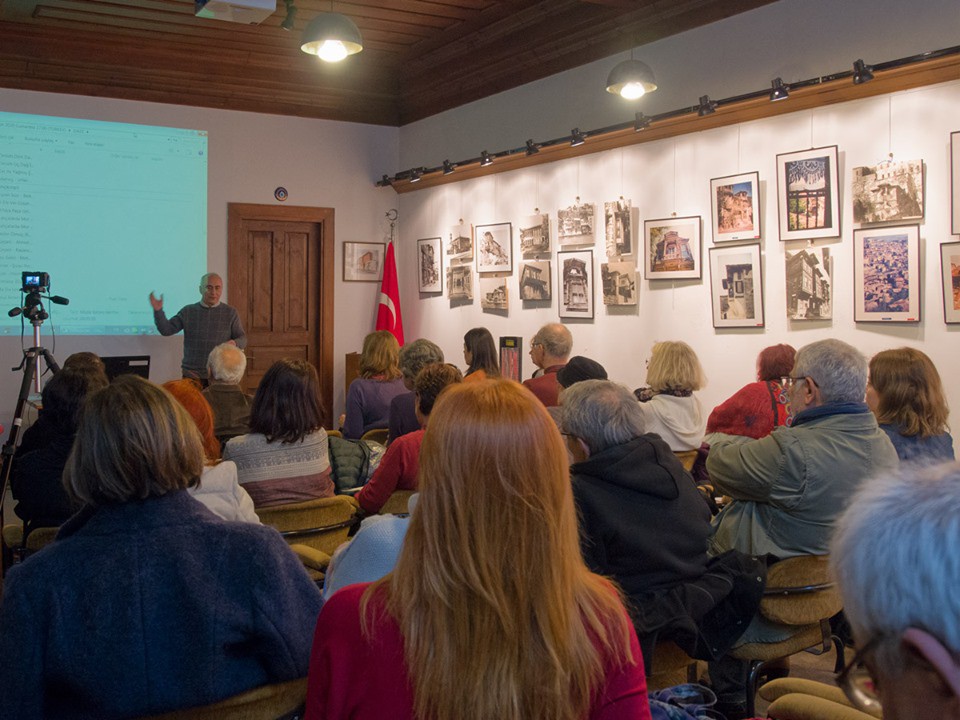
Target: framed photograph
[(363, 262), (429, 270), (735, 204), (460, 243), (494, 247), (888, 192), (575, 224), (460, 282), (950, 268), (575, 277), (618, 222), (493, 293), (619, 280), (809, 284), (535, 280), (535, 235), (672, 248), (808, 194), (955, 180), (886, 267), (736, 286)]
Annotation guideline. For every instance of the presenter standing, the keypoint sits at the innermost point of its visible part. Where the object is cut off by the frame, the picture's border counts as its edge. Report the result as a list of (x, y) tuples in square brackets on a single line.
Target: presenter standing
[(205, 325)]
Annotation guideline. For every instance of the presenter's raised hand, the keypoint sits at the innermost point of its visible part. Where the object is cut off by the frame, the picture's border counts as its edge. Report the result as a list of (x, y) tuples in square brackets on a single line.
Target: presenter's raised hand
[(156, 302)]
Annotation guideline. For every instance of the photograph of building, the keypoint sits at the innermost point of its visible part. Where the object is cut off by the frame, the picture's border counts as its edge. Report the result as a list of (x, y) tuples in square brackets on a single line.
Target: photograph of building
[(886, 274), (889, 191), (460, 282), (535, 280), (669, 251), (808, 193), (809, 284), (619, 283), (493, 293), (575, 224), (735, 208), (535, 235), (576, 286), (619, 228)]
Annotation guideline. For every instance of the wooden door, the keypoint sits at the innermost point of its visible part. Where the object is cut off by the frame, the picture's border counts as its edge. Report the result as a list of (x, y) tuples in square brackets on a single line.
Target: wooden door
[(280, 279)]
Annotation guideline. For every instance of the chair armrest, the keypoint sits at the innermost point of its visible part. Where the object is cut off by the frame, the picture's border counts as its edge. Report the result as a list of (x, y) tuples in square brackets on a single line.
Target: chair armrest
[(311, 557)]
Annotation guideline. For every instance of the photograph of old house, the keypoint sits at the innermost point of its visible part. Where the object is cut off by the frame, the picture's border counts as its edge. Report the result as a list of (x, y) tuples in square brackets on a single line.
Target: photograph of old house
[(888, 192), (363, 262), (493, 293), (886, 265), (575, 224), (672, 248), (460, 282), (809, 284), (808, 194), (494, 247), (575, 271), (535, 280), (735, 286), (618, 224), (736, 207), (535, 235), (428, 265), (950, 270), (619, 280), (460, 242)]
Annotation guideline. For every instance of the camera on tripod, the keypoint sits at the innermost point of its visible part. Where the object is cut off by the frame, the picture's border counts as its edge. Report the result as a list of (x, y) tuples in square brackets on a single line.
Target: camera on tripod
[(35, 282)]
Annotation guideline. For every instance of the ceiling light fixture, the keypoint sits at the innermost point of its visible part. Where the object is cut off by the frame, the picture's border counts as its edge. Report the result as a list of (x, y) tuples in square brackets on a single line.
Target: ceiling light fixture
[(291, 17), (861, 72), (485, 159), (577, 138), (780, 91), (447, 167), (631, 80), (532, 148), (642, 122), (331, 37), (416, 174), (707, 106)]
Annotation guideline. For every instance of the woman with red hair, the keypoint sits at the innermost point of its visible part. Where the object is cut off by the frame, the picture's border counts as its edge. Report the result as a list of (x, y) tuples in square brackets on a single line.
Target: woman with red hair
[(218, 488), (756, 409)]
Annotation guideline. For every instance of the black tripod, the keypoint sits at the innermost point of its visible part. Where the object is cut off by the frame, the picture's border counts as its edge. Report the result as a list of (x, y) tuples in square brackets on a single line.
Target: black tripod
[(31, 376)]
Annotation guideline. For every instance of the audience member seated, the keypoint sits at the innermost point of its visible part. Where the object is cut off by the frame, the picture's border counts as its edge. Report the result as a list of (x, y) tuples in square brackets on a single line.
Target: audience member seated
[(36, 480), (906, 395), (226, 366), (902, 601), (480, 355), (789, 487), (372, 552), (549, 349), (755, 410), (218, 488), (644, 524), (403, 408), (284, 458), (399, 466), (41, 433), (147, 602), (490, 606), (380, 381), (577, 369), (668, 405)]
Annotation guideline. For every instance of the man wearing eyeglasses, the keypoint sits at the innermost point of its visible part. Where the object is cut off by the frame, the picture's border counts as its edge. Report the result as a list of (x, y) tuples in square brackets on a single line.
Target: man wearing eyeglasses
[(549, 350), (788, 488), (894, 557)]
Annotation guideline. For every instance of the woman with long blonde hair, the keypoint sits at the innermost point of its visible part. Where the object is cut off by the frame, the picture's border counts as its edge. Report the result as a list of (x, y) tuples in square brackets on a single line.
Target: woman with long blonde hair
[(380, 381), (490, 612)]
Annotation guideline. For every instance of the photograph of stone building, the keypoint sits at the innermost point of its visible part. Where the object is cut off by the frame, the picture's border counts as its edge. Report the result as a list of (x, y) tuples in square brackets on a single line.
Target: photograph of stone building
[(460, 242), (493, 293), (575, 224), (619, 282), (460, 282), (535, 280), (886, 274), (535, 235), (619, 228), (576, 283), (888, 192), (809, 276)]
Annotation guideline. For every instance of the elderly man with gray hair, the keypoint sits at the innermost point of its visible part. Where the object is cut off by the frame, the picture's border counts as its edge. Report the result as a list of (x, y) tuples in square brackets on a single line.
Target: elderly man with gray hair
[(550, 349), (894, 557), (644, 523), (788, 488), (226, 366), (414, 357)]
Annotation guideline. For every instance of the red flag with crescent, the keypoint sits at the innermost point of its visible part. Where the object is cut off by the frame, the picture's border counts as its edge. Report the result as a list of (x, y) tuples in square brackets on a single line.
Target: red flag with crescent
[(388, 311)]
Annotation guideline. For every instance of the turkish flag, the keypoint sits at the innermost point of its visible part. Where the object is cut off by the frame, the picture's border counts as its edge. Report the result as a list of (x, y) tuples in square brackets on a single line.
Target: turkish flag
[(388, 311)]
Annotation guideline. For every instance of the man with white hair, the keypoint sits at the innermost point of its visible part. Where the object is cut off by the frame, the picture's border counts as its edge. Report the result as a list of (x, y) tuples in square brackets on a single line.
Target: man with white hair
[(231, 405), (549, 350), (894, 555), (788, 488)]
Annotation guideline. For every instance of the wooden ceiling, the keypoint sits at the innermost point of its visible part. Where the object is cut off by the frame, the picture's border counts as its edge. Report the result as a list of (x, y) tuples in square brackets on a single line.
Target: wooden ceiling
[(420, 57)]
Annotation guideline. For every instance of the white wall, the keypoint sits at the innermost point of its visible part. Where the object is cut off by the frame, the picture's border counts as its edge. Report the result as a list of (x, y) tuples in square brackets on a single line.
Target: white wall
[(321, 163), (792, 39), (674, 176)]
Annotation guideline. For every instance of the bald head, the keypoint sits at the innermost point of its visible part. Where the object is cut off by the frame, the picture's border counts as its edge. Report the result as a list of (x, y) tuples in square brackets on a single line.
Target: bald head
[(227, 364), (555, 343)]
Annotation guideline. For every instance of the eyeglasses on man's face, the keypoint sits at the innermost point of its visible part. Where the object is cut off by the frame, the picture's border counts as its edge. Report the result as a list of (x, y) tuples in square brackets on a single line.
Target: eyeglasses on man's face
[(856, 681)]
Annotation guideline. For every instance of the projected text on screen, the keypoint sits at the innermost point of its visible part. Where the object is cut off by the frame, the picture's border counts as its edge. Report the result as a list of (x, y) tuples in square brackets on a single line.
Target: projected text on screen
[(110, 210)]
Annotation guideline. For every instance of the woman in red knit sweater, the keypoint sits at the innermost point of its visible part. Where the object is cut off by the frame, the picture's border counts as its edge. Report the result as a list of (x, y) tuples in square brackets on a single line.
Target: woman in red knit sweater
[(490, 612)]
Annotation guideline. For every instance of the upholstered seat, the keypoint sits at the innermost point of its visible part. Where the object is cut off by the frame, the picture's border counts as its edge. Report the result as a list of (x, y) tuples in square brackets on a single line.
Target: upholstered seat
[(397, 503), (14, 549), (801, 699), (281, 701)]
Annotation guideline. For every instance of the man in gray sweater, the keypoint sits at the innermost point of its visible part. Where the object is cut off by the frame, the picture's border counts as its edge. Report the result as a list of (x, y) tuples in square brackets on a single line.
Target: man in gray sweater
[(205, 325)]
